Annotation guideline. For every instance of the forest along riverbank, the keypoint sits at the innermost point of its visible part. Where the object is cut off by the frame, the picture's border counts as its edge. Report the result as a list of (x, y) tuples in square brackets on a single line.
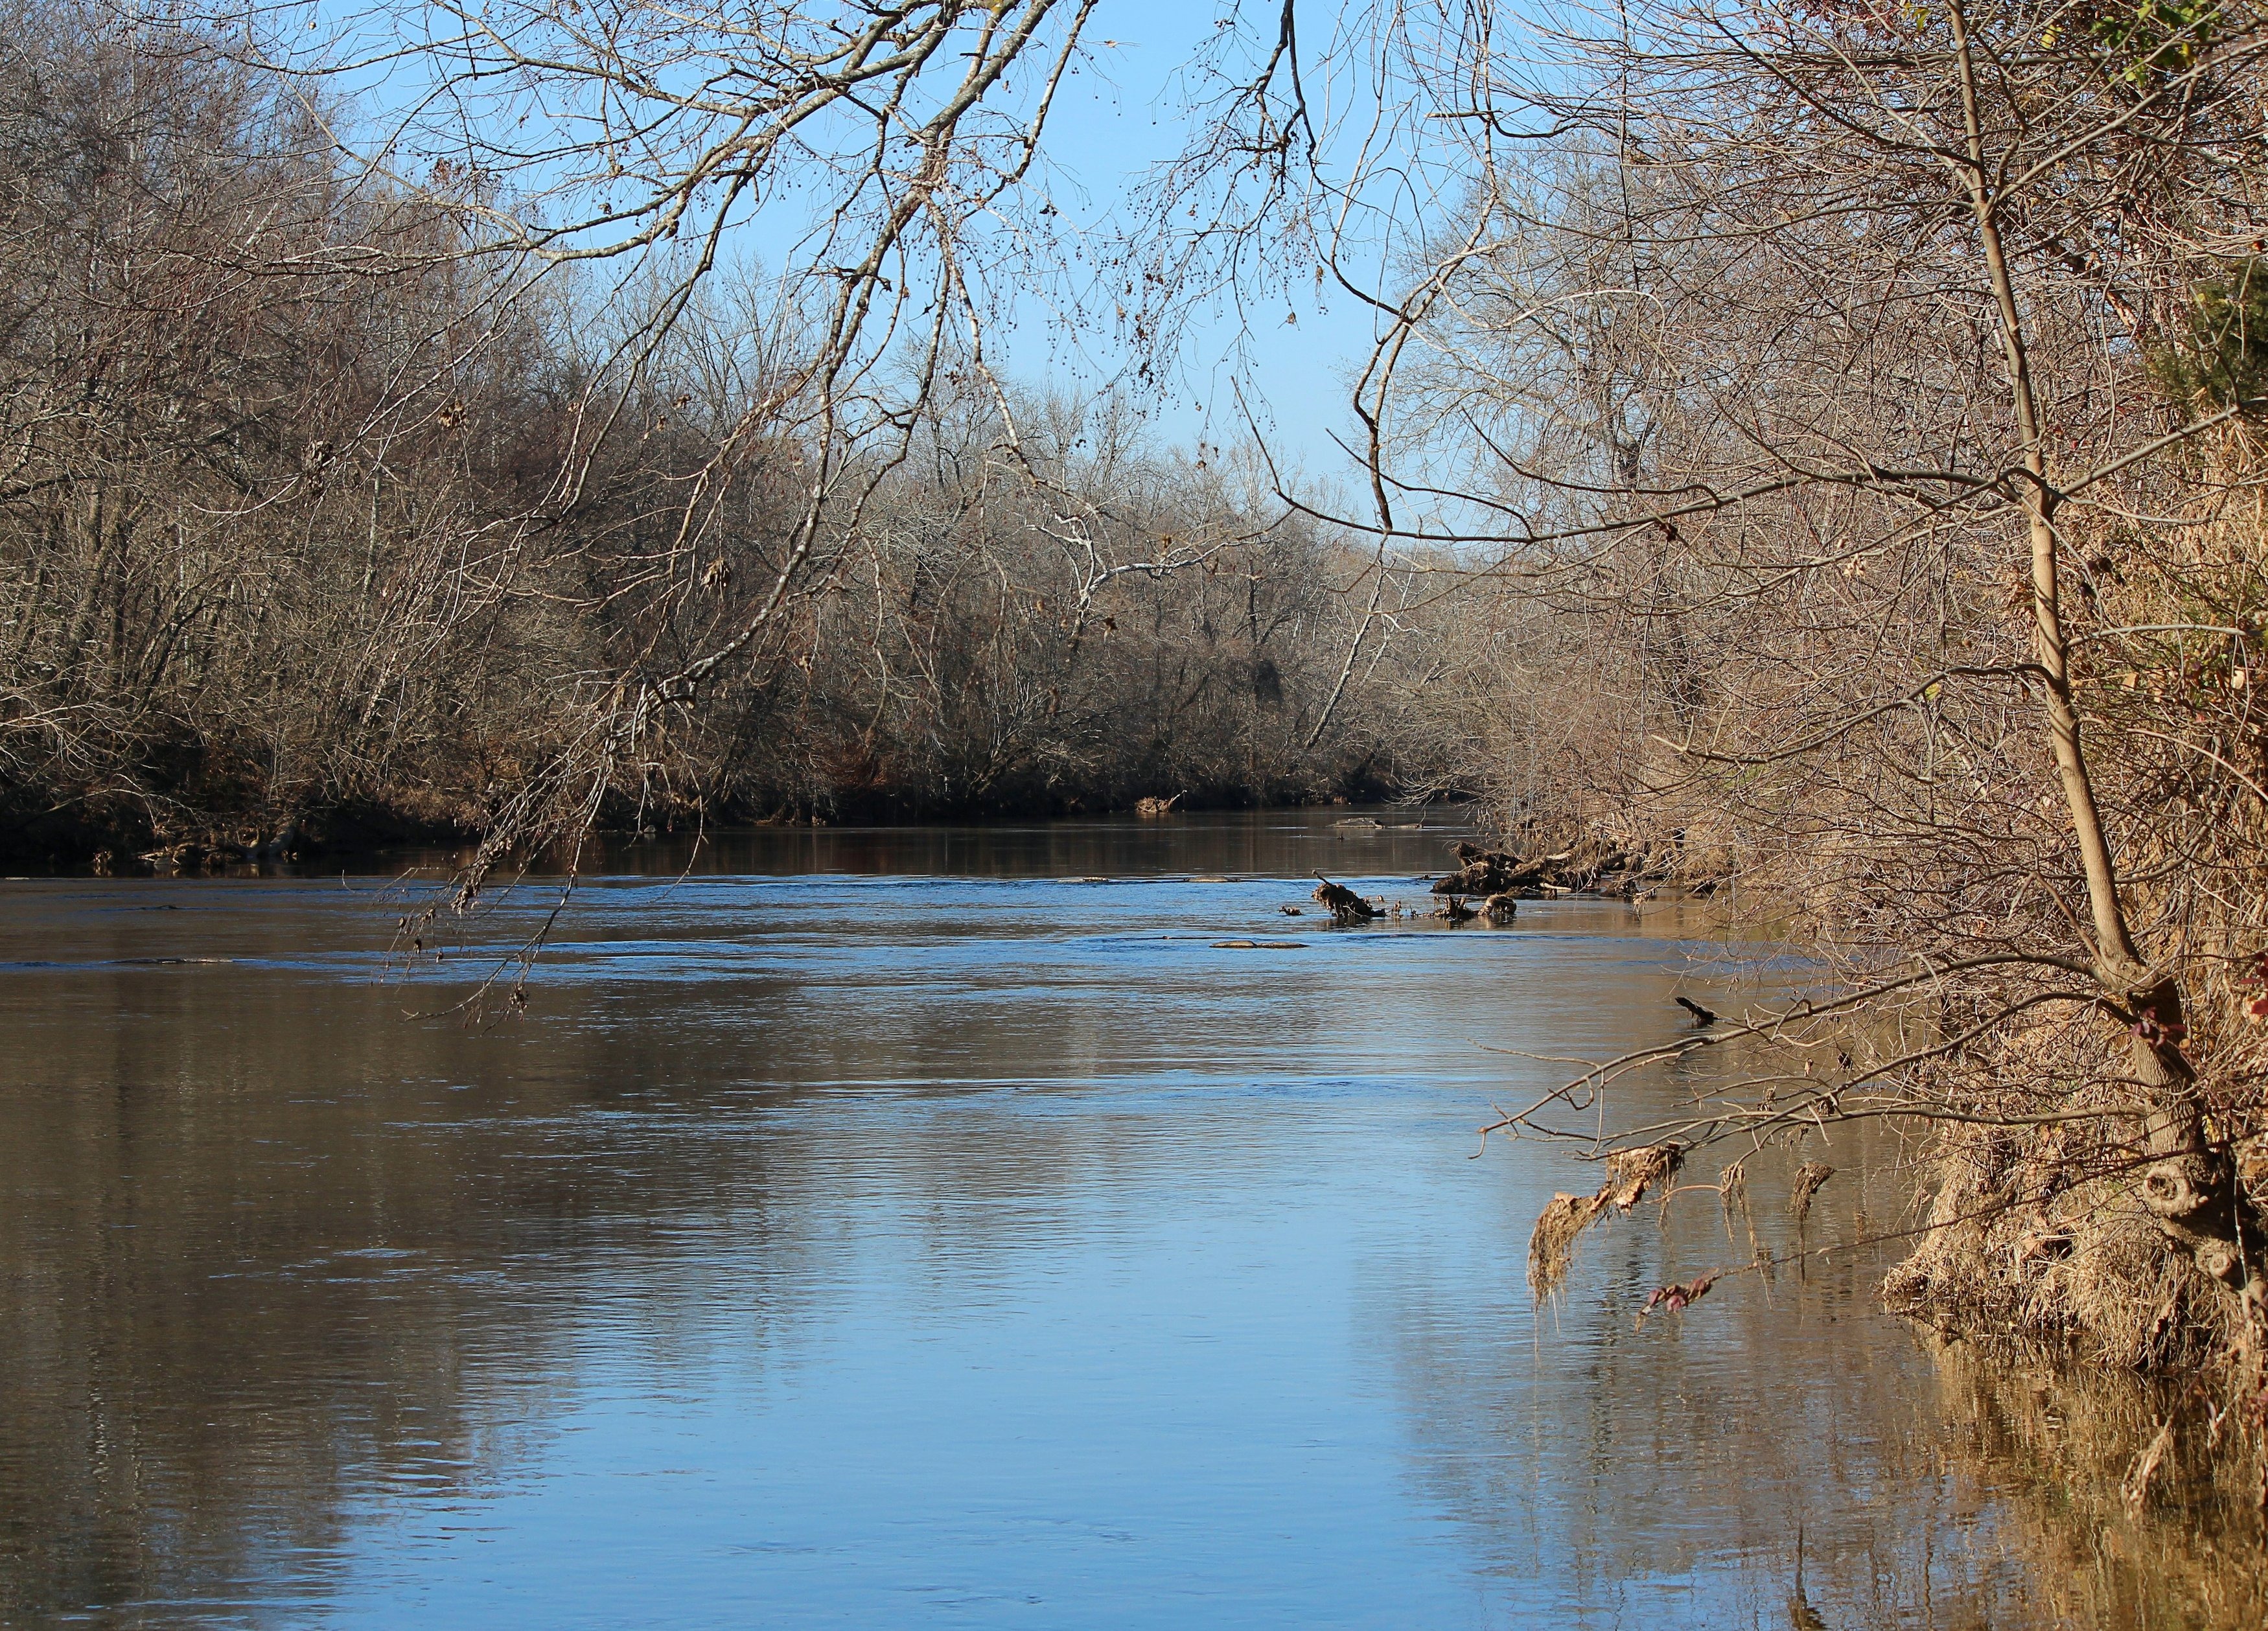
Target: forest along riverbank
[(933, 1222)]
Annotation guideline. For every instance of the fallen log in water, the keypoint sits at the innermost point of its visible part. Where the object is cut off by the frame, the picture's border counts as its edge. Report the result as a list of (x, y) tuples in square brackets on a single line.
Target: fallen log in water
[(1595, 866), (1346, 907)]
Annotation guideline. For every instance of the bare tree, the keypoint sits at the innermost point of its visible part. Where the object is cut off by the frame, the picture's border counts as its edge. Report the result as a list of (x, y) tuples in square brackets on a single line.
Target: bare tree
[(1804, 363)]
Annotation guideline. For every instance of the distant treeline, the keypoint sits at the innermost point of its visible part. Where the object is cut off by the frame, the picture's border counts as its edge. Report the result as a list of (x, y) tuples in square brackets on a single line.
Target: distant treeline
[(314, 523)]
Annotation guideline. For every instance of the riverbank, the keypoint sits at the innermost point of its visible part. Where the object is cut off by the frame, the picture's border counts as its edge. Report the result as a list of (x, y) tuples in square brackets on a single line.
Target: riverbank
[(121, 837)]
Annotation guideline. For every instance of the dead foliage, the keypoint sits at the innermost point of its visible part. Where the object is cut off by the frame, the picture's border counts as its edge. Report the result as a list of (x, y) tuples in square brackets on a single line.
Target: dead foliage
[(1733, 1186), (1629, 1174), (1677, 1298), (1808, 1178), (1550, 1248)]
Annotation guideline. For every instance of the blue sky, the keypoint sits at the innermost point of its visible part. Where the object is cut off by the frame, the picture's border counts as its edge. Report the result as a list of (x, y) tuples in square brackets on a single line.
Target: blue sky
[(1122, 114), (1119, 118)]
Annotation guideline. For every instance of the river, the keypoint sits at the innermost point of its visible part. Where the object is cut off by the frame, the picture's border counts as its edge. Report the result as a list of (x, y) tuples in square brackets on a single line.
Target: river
[(938, 1226)]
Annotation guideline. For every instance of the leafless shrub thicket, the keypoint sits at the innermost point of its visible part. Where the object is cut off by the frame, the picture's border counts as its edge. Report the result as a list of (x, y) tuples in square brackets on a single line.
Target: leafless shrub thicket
[(354, 494), (242, 481), (1054, 621)]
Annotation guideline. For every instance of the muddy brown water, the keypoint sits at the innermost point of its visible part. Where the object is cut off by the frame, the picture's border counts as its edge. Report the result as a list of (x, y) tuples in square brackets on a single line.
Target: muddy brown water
[(904, 1227)]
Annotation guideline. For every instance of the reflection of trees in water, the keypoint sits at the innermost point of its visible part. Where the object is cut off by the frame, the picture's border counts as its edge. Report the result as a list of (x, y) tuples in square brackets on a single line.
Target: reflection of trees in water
[(270, 1260), (1677, 1469), (2060, 1452), (1684, 1464), (262, 1260)]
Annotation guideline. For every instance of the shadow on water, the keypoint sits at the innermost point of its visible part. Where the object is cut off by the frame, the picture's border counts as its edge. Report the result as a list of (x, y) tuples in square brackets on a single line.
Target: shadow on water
[(891, 1227)]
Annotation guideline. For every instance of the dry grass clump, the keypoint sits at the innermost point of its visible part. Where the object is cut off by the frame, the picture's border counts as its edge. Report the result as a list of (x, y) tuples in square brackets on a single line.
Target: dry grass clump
[(2040, 1236), (1629, 1174), (1808, 1179), (1550, 1248)]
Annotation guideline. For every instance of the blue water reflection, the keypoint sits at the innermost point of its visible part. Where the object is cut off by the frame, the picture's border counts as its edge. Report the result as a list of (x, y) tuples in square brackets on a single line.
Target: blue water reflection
[(963, 1244)]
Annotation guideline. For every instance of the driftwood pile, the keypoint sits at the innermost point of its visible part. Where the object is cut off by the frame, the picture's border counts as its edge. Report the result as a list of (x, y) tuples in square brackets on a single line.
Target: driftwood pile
[(189, 856), (1498, 880), (1594, 867)]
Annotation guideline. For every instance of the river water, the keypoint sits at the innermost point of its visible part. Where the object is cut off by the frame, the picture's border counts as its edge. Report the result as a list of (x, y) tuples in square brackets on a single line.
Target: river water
[(936, 1226)]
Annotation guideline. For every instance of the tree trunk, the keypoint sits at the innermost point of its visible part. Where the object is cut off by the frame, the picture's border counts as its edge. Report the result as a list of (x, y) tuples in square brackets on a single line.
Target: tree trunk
[(2189, 1185)]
